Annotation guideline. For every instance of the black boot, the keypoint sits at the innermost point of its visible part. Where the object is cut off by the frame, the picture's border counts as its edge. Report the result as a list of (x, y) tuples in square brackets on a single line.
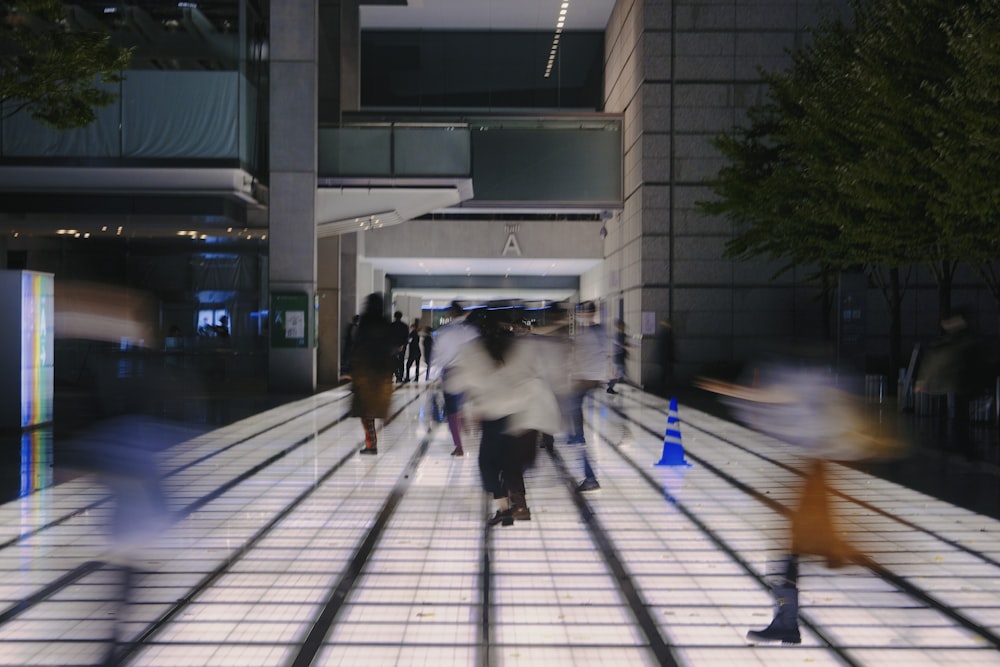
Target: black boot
[(784, 626), (502, 517)]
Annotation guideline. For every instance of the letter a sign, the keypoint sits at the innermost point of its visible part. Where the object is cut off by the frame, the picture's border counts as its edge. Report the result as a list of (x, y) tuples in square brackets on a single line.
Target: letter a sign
[(511, 247)]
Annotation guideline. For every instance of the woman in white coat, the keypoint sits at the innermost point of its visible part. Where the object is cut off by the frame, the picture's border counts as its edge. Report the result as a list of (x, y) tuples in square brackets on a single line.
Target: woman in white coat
[(502, 378)]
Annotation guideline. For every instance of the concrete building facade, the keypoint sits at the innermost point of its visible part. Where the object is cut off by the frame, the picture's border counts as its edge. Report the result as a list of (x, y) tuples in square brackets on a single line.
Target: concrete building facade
[(677, 73)]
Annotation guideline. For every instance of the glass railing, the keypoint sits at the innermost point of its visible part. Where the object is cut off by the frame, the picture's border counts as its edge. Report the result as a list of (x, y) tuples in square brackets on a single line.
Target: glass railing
[(198, 117), (395, 150), (571, 160), (172, 115)]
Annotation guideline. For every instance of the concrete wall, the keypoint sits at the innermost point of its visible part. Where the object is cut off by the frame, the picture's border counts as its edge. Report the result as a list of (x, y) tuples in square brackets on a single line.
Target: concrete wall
[(485, 239), (681, 73)]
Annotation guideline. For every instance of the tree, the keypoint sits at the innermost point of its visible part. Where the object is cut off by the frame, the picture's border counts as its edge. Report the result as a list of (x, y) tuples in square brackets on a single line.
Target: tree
[(968, 150), (861, 147), (50, 73), (779, 185)]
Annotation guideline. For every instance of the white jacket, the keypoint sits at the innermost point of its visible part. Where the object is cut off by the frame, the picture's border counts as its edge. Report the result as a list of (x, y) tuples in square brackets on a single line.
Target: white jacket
[(515, 389)]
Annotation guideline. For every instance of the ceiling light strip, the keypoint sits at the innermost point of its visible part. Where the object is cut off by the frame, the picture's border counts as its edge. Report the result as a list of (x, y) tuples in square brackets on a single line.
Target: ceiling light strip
[(560, 24)]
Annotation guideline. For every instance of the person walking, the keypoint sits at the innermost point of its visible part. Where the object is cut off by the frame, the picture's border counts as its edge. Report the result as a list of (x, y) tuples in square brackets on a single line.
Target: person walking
[(400, 336), (498, 373), (589, 359), (428, 341), (350, 333), (798, 401), (413, 352), (665, 356), (956, 365), (619, 357), (450, 339), (372, 363)]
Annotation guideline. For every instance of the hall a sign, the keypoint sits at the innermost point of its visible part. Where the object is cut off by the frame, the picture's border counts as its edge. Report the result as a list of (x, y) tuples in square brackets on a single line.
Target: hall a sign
[(511, 247)]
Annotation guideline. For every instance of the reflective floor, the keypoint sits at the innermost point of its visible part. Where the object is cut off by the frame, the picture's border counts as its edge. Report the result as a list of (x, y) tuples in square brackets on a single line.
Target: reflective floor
[(270, 541)]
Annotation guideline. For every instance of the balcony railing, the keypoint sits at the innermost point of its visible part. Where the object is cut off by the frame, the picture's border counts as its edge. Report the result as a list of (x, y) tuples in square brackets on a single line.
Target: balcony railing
[(566, 161)]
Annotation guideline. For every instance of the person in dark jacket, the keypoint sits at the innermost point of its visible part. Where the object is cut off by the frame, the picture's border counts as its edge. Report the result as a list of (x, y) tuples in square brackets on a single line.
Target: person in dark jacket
[(372, 363), (665, 357), (413, 351), (428, 350), (350, 333), (400, 335)]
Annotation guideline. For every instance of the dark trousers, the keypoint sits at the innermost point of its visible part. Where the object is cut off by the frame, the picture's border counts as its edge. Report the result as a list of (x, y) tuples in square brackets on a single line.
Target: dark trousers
[(503, 458), (574, 417), (413, 359), (400, 360)]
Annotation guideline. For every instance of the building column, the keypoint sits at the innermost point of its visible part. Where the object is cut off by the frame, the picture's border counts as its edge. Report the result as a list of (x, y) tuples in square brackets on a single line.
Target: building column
[(293, 159), (332, 317)]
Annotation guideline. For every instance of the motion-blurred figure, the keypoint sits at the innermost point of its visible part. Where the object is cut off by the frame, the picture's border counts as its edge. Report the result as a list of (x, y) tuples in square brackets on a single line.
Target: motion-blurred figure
[(400, 336), (428, 342), (373, 361), (499, 374), (413, 351), (350, 333), (619, 357), (450, 339), (665, 356), (797, 402), (122, 453), (588, 370), (115, 438), (956, 365)]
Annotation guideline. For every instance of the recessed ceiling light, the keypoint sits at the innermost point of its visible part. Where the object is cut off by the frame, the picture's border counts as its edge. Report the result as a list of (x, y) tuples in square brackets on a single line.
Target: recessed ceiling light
[(561, 21)]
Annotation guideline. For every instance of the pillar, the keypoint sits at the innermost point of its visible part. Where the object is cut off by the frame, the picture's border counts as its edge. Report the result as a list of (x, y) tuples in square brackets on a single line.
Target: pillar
[(293, 159)]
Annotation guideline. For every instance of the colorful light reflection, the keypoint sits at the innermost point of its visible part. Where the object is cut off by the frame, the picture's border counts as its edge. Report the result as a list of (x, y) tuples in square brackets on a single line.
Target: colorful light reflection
[(37, 313), (36, 460)]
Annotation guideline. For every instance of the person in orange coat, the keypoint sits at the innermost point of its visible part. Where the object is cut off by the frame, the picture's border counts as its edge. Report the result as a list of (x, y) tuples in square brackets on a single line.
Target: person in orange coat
[(800, 404)]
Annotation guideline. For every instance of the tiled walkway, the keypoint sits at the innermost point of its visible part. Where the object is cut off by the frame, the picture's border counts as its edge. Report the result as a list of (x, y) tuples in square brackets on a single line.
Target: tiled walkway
[(286, 548)]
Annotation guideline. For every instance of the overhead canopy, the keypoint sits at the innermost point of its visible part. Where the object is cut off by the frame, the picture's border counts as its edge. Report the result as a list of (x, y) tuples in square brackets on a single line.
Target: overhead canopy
[(346, 209)]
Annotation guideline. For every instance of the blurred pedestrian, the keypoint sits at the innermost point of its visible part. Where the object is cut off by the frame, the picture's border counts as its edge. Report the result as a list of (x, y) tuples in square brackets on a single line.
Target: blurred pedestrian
[(499, 375), (798, 402), (350, 333), (619, 357), (413, 352), (400, 336), (450, 339), (956, 365), (665, 357), (588, 370), (554, 357), (428, 342), (372, 363)]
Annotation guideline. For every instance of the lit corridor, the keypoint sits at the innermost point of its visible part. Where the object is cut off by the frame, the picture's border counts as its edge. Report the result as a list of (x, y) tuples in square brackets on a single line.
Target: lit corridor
[(284, 547)]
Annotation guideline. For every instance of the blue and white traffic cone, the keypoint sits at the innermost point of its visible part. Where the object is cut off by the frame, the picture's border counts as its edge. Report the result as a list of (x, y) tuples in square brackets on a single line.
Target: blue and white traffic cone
[(673, 449)]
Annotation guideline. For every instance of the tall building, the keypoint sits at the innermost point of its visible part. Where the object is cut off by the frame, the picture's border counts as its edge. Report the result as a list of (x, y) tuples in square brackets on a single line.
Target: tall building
[(273, 162)]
